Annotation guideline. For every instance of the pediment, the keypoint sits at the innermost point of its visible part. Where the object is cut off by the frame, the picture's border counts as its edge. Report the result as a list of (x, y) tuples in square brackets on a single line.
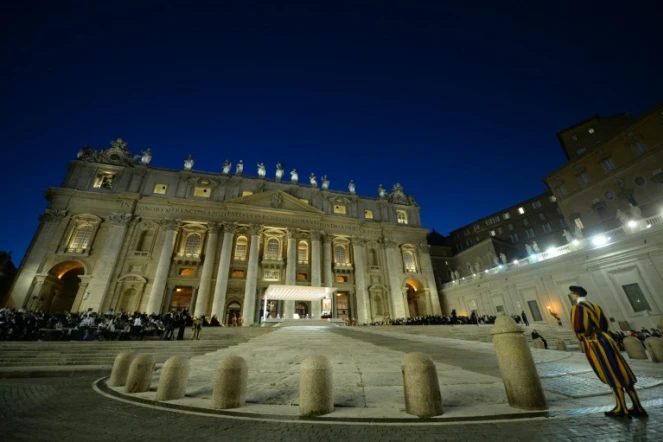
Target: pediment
[(275, 200)]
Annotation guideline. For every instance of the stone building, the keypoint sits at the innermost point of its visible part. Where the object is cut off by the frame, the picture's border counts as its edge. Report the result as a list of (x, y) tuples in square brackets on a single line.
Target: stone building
[(616, 179), (122, 234), (7, 274)]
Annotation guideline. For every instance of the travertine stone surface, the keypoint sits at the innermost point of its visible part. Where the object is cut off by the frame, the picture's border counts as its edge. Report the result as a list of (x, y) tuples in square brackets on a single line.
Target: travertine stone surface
[(230, 383), (140, 374), (538, 343), (420, 385), (655, 348), (316, 386), (120, 369), (634, 348), (560, 345), (174, 378)]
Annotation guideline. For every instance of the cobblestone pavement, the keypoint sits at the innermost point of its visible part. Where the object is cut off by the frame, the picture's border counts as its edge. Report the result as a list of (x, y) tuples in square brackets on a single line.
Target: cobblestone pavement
[(68, 409)]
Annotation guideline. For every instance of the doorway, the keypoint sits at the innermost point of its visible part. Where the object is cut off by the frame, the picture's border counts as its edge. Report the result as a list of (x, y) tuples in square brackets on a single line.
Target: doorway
[(181, 299), (234, 308)]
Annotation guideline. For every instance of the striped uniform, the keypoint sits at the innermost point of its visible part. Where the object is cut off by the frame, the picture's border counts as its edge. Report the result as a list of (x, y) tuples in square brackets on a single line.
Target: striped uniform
[(591, 327)]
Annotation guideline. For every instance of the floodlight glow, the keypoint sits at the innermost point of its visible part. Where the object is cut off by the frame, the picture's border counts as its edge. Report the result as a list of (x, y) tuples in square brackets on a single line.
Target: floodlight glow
[(575, 242), (632, 224), (515, 261), (599, 240)]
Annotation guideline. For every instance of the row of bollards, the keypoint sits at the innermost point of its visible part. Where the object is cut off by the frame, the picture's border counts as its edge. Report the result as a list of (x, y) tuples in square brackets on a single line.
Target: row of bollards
[(636, 350)]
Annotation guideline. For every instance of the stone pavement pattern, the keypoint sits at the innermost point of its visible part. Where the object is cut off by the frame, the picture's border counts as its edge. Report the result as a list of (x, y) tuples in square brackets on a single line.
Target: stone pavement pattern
[(57, 409)]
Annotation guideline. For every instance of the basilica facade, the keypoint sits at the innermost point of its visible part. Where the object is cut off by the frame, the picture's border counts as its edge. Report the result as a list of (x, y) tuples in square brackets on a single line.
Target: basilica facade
[(122, 234)]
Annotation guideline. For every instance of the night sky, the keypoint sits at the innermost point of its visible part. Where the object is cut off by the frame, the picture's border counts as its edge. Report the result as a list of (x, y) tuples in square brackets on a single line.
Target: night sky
[(460, 104)]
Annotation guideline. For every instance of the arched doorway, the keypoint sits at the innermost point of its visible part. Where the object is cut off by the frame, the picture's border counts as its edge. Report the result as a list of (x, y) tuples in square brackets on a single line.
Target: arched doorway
[(234, 308), (61, 287), (301, 309), (416, 298)]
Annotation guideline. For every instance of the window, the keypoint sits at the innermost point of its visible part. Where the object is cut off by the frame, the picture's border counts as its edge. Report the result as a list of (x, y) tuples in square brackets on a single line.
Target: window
[(510, 227), (192, 245), (237, 273), (636, 298), (514, 238), (546, 228), (241, 248), (639, 147), (271, 275), (401, 216), (608, 165), (552, 198), (562, 222), (340, 255), (521, 210), (408, 260), (534, 309), (542, 216), (578, 223), (246, 193), (160, 189), (104, 180), (340, 278), (368, 214), (506, 216), (574, 137), (187, 272), (499, 230), (302, 252), (639, 181), (340, 209), (583, 178), (590, 130), (536, 204), (492, 233), (561, 190), (80, 239), (272, 249), (609, 195), (477, 228), (302, 276), (203, 192), (525, 222), (559, 211), (530, 232)]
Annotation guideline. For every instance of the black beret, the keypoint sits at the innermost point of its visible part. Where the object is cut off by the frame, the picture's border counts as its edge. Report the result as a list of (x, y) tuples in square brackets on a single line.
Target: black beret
[(579, 290)]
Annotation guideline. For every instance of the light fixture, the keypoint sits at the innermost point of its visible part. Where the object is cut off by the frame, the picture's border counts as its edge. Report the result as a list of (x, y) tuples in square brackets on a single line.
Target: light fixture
[(648, 225), (515, 261), (632, 224), (599, 240), (575, 242), (499, 266)]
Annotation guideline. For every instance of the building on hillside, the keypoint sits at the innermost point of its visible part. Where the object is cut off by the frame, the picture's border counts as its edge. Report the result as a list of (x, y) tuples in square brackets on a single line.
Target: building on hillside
[(537, 220), (579, 138), (7, 274), (616, 180), (122, 234)]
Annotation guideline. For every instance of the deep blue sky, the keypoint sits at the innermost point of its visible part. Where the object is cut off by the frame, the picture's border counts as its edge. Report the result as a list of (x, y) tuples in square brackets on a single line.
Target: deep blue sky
[(459, 103)]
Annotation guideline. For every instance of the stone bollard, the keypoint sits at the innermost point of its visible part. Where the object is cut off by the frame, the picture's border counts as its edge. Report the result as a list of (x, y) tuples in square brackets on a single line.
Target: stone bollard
[(120, 369), (316, 387), (230, 383), (634, 348), (521, 380), (173, 379), (140, 374), (655, 348), (538, 343), (560, 345), (421, 386)]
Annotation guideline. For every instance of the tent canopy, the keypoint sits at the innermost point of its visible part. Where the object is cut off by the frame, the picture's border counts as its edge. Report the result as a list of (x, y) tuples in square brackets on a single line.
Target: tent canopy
[(297, 292)]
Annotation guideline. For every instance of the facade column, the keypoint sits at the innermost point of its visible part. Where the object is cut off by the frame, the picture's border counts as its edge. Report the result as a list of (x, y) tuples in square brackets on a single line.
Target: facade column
[(427, 269), (316, 280), (107, 261), (170, 291), (171, 227), (202, 300), (194, 297), (249, 308), (327, 261), (395, 270), (82, 289), (221, 286), (49, 223), (361, 296), (290, 271)]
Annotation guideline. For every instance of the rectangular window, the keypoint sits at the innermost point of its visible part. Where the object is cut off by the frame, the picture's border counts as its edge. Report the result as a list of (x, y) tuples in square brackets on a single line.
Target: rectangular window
[(477, 228), (534, 309), (514, 238), (542, 216), (499, 230), (492, 233), (339, 209), (639, 147), (521, 210), (530, 232), (583, 178), (203, 192), (401, 216), (636, 298), (302, 276), (303, 200), (590, 130), (160, 189), (104, 180), (340, 278), (368, 214), (237, 273), (561, 189), (246, 193), (608, 165), (546, 228), (579, 224), (510, 227), (506, 216), (271, 275), (187, 272), (525, 222), (536, 204)]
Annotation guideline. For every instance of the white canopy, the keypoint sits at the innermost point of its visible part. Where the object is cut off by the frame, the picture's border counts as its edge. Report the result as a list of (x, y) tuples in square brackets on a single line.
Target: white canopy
[(297, 292)]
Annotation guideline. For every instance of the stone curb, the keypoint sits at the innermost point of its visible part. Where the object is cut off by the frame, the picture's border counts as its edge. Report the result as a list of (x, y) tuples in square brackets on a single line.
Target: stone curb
[(49, 371)]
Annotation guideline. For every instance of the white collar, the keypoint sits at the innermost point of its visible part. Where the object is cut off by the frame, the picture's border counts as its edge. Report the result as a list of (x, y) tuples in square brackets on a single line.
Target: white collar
[(581, 299)]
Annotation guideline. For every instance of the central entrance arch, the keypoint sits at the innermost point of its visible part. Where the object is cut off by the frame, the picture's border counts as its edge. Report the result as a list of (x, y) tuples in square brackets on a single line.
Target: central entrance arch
[(416, 297), (60, 287)]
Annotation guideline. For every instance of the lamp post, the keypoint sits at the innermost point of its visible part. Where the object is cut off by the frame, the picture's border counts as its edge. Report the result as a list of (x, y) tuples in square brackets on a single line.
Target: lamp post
[(554, 315)]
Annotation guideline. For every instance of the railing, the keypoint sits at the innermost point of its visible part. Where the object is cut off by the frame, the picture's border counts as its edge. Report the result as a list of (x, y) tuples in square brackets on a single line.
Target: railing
[(594, 242)]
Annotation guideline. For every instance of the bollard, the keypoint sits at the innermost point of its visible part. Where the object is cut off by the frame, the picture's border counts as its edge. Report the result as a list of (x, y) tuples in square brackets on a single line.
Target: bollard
[(120, 369), (173, 379), (316, 387), (230, 383), (560, 345), (421, 386), (634, 348), (655, 348), (517, 368), (538, 343), (140, 374)]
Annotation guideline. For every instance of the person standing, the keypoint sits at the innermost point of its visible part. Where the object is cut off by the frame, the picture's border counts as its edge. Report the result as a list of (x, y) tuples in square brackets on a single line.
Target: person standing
[(524, 317), (591, 327)]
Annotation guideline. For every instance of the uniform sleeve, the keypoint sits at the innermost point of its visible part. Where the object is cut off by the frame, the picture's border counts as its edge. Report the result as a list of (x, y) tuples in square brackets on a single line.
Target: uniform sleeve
[(603, 321), (579, 320)]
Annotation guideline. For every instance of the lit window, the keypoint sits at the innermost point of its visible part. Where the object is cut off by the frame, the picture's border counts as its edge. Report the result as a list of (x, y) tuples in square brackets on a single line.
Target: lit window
[(340, 278), (241, 248), (492, 233), (80, 239), (302, 252), (339, 209), (579, 224), (408, 260), (192, 246), (552, 198), (272, 249), (160, 189), (246, 193), (303, 200), (521, 210), (104, 180), (340, 255), (368, 214), (237, 273), (590, 130), (507, 215), (204, 192), (401, 216), (608, 165), (186, 272), (302, 276)]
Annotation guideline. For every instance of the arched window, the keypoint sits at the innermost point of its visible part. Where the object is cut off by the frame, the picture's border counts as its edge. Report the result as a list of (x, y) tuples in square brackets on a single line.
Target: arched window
[(141, 240), (80, 240), (408, 260), (240, 248), (340, 255), (272, 249), (192, 246), (302, 252)]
